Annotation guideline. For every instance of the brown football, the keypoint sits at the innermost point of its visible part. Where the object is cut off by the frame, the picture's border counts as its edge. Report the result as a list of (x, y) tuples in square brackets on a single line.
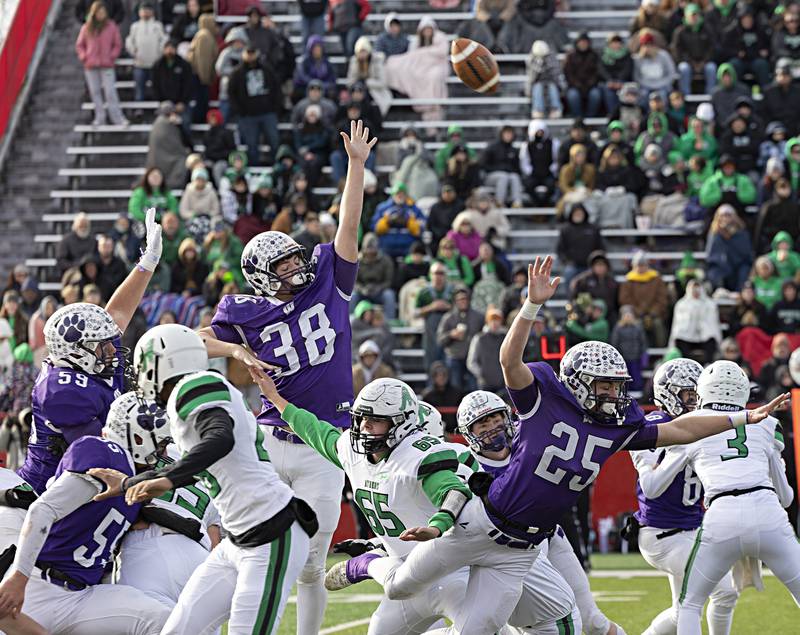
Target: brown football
[(475, 65)]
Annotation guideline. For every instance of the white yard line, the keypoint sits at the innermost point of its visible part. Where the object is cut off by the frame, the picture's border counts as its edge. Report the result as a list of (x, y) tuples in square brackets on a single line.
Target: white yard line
[(344, 626)]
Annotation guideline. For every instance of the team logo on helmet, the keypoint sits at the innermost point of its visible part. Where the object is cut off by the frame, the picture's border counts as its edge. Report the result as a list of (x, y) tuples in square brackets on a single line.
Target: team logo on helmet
[(670, 380), (139, 426), (389, 400), (263, 253), (590, 362)]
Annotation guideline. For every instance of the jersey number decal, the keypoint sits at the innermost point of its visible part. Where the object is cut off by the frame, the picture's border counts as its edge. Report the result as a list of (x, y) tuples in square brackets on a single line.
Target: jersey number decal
[(738, 444), (372, 505), (198, 508), (79, 379), (94, 552), (311, 338), (211, 484), (567, 453), (425, 443), (691, 487)]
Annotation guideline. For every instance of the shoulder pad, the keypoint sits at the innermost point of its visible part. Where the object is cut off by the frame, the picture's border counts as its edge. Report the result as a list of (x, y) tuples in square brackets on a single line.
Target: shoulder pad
[(198, 392)]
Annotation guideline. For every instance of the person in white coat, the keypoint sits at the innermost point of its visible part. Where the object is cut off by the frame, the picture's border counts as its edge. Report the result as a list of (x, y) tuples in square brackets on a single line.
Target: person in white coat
[(695, 323), (367, 66), (144, 42)]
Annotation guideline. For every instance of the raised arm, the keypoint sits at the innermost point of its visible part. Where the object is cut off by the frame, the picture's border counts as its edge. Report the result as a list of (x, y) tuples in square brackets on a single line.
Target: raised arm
[(122, 305), (357, 146), (692, 427), (540, 289)]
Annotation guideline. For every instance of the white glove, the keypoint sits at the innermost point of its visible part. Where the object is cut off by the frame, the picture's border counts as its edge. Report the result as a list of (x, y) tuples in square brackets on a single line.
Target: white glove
[(151, 253)]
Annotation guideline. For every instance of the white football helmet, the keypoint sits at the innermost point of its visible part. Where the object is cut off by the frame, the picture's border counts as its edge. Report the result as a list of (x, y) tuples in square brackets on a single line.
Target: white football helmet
[(165, 352), (262, 254), (391, 400), (139, 426), (794, 366), (478, 405), (588, 362), (430, 420), (723, 385), (72, 334), (670, 379)]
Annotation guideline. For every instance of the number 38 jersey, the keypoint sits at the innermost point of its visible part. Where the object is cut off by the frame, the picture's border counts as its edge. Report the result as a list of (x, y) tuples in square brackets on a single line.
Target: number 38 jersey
[(244, 485), (390, 493), (557, 451), (737, 458), (679, 506), (308, 338)]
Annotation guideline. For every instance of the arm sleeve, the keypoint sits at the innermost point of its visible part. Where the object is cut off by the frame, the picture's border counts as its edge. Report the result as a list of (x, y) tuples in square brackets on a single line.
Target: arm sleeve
[(215, 427), (344, 274), (320, 435), (655, 479), (436, 485), (69, 492), (777, 473)]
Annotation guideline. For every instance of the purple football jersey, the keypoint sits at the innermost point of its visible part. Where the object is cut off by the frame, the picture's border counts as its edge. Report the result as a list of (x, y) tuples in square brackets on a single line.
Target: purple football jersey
[(679, 507), (82, 543), (557, 452), (308, 338), (67, 404)]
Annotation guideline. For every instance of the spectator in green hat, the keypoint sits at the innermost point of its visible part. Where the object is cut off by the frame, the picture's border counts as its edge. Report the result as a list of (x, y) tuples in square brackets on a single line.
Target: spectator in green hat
[(455, 137)]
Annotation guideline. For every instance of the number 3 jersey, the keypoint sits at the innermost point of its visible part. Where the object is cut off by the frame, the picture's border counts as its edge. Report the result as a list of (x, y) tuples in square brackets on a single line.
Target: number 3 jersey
[(82, 543), (737, 458), (244, 485), (308, 338), (557, 452), (679, 506), (66, 404)]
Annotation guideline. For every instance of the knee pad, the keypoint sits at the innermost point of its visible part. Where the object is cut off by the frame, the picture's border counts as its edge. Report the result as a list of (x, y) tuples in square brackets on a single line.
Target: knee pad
[(725, 599), (312, 573)]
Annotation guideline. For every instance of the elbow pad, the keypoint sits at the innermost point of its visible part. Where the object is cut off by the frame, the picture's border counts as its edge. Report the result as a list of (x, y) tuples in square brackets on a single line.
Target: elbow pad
[(453, 503)]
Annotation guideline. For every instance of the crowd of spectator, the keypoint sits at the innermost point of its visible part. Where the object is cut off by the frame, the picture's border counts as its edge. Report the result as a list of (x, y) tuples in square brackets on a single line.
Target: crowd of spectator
[(435, 243)]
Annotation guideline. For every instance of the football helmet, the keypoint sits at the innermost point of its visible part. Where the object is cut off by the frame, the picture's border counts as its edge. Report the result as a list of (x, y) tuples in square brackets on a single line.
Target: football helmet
[(165, 352), (478, 405), (723, 385), (670, 379), (390, 400), (139, 426), (263, 253), (73, 333), (430, 420), (588, 362), (794, 366)]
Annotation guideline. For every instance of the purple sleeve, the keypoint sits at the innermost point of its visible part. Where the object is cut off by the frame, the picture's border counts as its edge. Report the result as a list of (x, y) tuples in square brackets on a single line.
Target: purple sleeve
[(344, 273), (86, 453), (525, 399), (222, 324), (645, 438)]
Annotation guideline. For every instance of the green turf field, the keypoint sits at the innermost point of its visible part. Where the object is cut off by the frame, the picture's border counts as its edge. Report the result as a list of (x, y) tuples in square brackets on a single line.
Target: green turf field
[(629, 599)]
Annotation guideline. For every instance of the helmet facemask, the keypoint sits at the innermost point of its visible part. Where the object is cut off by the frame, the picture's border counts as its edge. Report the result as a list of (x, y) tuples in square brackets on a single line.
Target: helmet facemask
[(604, 408), (266, 281), (366, 443), (495, 439), (674, 404)]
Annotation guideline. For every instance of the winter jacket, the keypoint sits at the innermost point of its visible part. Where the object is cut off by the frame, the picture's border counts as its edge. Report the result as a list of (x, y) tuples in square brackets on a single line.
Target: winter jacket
[(792, 167), (695, 320), (544, 69), (594, 330), (582, 70), (752, 42), (720, 188), (203, 202), (145, 41), (441, 217), (654, 73), (328, 110), (203, 50), (374, 276), (73, 248), (483, 359), (784, 44), (605, 288), (538, 157), (227, 62), (397, 226), (743, 147), (387, 43), (501, 157), (694, 45), (576, 241), (630, 340), (493, 225), (777, 215), (443, 155), (110, 275), (255, 89), (219, 143), (616, 68), (310, 68), (184, 27), (768, 291), (664, 139), (344, 15), (784, 317), (172, 80), (789, 267), (99, 50), (782, 104), (312, 8), (141, 201), (726, 257), (707, 141), (167, 152), (467, 244), (724, 99), (720, 17), (646, 292), (459, 271), (458, 349)]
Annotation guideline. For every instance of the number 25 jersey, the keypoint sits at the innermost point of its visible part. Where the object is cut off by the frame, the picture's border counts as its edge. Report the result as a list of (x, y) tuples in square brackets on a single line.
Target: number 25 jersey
[(558, 451), (308, 338)]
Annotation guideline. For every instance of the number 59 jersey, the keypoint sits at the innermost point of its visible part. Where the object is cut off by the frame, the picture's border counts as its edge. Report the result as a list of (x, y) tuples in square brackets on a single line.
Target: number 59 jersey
[(390, 493), (737, 458), (308, 338)]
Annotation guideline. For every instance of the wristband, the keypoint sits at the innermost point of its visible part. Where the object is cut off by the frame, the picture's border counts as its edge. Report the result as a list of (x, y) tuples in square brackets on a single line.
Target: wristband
[(740, 418), (148, 262), (529, 310)]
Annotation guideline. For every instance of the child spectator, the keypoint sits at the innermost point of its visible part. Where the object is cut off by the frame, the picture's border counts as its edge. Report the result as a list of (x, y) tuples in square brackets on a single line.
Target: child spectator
[(144, 42), (785, 259), (774, 146), (199, 198), (545, 82)]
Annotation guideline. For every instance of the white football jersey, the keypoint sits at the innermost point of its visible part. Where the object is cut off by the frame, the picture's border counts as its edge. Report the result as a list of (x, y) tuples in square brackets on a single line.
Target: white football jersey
[(244, 485), (389, 492), (192, 502), (734, 459)]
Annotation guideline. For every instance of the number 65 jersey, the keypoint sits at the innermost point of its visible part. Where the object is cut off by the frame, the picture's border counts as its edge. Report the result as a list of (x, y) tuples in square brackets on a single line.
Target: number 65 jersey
[(308, 338), (557, 452)]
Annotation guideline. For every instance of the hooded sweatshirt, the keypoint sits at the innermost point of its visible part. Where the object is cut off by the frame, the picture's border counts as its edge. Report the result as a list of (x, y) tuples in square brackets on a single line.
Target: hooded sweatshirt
[(577, 240), (790, 265), (693, 43), (743, 146), (737, 189), (389, 44), (724, 99), (664, 139), (785, 315), (538, 157), (312, 68), (695, 320), (792, 170), (654, 73), (708, 144), (779, 215)]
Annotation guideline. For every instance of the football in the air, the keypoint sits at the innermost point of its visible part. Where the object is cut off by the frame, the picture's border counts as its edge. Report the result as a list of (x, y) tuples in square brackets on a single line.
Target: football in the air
[(475, 65)]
